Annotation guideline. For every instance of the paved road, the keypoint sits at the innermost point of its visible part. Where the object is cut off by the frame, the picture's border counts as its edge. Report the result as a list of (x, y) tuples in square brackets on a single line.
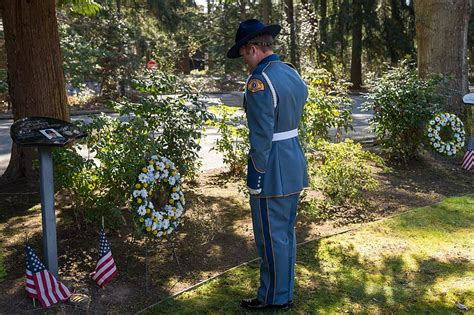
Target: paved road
[(211, 159)]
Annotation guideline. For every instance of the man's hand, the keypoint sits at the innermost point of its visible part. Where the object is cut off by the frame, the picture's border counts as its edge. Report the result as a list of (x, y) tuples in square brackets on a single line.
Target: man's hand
[(235, 99), (254, 179)]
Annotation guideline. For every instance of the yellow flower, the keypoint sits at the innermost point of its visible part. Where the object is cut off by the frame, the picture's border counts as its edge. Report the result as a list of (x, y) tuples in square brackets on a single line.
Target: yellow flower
[(144, 170), (171, 201), (138, 186), (148, 211), (173, 173), (164, 232), (155, 232), (174, 189), (155, 219), (167, 165), (150, 162), (145, 185), (150, 193), (139, 200), (141, 219), (148, 228)]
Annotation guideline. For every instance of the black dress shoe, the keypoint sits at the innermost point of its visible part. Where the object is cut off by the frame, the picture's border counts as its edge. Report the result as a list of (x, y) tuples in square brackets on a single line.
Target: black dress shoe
[(255, 304)]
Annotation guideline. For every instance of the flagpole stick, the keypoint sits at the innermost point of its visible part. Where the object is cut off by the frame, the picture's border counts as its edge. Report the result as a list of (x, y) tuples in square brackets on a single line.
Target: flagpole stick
[(146, 265), (102, 222), (26, 237)]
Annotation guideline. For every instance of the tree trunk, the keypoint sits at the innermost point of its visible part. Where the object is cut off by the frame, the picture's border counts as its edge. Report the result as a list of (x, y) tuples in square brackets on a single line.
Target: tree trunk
[(243, 11), (356, 60), (290, 18), (266, 11), (441, 37), (36, 78), (323, 31)]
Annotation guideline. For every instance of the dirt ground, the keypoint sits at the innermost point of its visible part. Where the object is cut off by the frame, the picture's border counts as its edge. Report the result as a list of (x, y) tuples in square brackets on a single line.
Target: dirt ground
[(216, 235)]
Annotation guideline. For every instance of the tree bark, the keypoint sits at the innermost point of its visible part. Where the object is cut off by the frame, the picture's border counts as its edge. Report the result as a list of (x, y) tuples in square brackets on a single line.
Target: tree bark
[(36, 78), (290, 18), (356, 60), (323, 31), (266, 11), (441, 37)]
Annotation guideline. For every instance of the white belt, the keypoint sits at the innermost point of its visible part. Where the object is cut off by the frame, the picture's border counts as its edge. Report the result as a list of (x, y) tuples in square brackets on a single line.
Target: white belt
[(285, 135)]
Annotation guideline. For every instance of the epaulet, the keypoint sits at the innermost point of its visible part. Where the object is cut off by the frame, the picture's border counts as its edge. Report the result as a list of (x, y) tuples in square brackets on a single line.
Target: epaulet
[(289, 64)]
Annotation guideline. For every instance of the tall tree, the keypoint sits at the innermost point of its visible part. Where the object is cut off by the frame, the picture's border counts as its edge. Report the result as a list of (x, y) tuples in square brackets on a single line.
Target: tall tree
[(290, 18), (36, 79), (266, 11), (323, 31), (356, 60), (441, 36)]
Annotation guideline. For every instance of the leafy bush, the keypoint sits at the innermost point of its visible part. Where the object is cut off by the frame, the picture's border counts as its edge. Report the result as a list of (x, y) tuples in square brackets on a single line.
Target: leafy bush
[(233, 142), (342, 172), (166, 125), (328, 107), (403, 105)]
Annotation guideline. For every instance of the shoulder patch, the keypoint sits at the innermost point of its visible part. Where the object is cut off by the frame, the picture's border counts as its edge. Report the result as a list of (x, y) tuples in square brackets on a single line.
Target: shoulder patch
[(255, 85)]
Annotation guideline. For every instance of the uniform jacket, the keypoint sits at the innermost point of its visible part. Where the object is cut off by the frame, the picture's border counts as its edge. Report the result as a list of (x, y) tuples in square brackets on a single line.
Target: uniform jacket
[(275, 96)]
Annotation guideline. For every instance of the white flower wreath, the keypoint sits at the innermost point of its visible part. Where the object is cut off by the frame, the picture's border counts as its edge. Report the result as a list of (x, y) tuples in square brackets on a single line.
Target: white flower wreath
[(450, 146), (163, 221)]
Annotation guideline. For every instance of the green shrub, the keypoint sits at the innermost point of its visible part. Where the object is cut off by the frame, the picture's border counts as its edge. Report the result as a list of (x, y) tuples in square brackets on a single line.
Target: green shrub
[(328, 107), (342, 172), (159, 123), (233, 142), (402, 105)]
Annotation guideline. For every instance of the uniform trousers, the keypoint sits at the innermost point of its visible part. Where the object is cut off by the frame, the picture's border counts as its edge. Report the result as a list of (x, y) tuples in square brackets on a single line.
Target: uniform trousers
[(273, 222)]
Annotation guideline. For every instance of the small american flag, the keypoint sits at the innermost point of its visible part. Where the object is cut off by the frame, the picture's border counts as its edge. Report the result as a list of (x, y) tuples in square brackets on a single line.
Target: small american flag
[(105, 269), (40, 283), (468, 160)]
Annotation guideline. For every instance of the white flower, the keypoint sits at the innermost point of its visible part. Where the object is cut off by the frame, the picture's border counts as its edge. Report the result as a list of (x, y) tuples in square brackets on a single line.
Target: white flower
[(437, 119), (143, 193), (151, 169), (141, 210), (432, 122), (168, 208), (165, 223), (170, 230), (148, 222), (175, 196), (142, 178), (172, 180), (136, 193), (151, 205), (161, 165), (154, 157), (165, 174), (160, 234), (157, 215), (157, 175), (155, 226)]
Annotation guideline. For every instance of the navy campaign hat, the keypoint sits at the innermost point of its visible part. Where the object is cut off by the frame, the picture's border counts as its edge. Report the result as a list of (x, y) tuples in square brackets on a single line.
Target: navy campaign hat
[(249, 29)]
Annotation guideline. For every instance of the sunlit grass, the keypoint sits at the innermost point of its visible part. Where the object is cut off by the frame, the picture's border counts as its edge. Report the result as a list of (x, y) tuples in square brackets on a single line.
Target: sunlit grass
[(418, 262)]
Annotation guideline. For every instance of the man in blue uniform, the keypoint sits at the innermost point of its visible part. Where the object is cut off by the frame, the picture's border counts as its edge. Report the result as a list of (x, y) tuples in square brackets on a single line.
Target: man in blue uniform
[(274, 99)]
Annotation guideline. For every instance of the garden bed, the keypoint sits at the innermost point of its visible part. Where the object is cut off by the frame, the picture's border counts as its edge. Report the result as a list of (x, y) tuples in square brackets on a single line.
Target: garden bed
[(216, 235)]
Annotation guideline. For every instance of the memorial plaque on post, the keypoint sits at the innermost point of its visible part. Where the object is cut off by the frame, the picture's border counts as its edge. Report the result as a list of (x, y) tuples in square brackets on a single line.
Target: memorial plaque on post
[(44, 133)]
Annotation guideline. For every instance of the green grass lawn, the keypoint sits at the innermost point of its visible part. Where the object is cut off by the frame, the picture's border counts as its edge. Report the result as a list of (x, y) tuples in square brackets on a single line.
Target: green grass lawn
[(418, 263)]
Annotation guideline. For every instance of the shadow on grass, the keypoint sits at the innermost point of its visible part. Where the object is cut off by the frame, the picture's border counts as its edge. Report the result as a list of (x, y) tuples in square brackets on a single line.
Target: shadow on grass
[(418, 272), (342, 282)]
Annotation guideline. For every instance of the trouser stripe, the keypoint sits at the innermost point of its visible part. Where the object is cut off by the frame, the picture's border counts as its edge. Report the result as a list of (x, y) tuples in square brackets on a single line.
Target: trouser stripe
[(268, 250)]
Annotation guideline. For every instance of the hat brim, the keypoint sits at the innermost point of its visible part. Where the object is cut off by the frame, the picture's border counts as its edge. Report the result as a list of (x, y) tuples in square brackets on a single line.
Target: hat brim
[(273, 30)]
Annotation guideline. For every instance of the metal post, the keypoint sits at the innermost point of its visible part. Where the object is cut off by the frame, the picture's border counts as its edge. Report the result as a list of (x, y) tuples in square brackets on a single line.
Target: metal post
[(47, 209)]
